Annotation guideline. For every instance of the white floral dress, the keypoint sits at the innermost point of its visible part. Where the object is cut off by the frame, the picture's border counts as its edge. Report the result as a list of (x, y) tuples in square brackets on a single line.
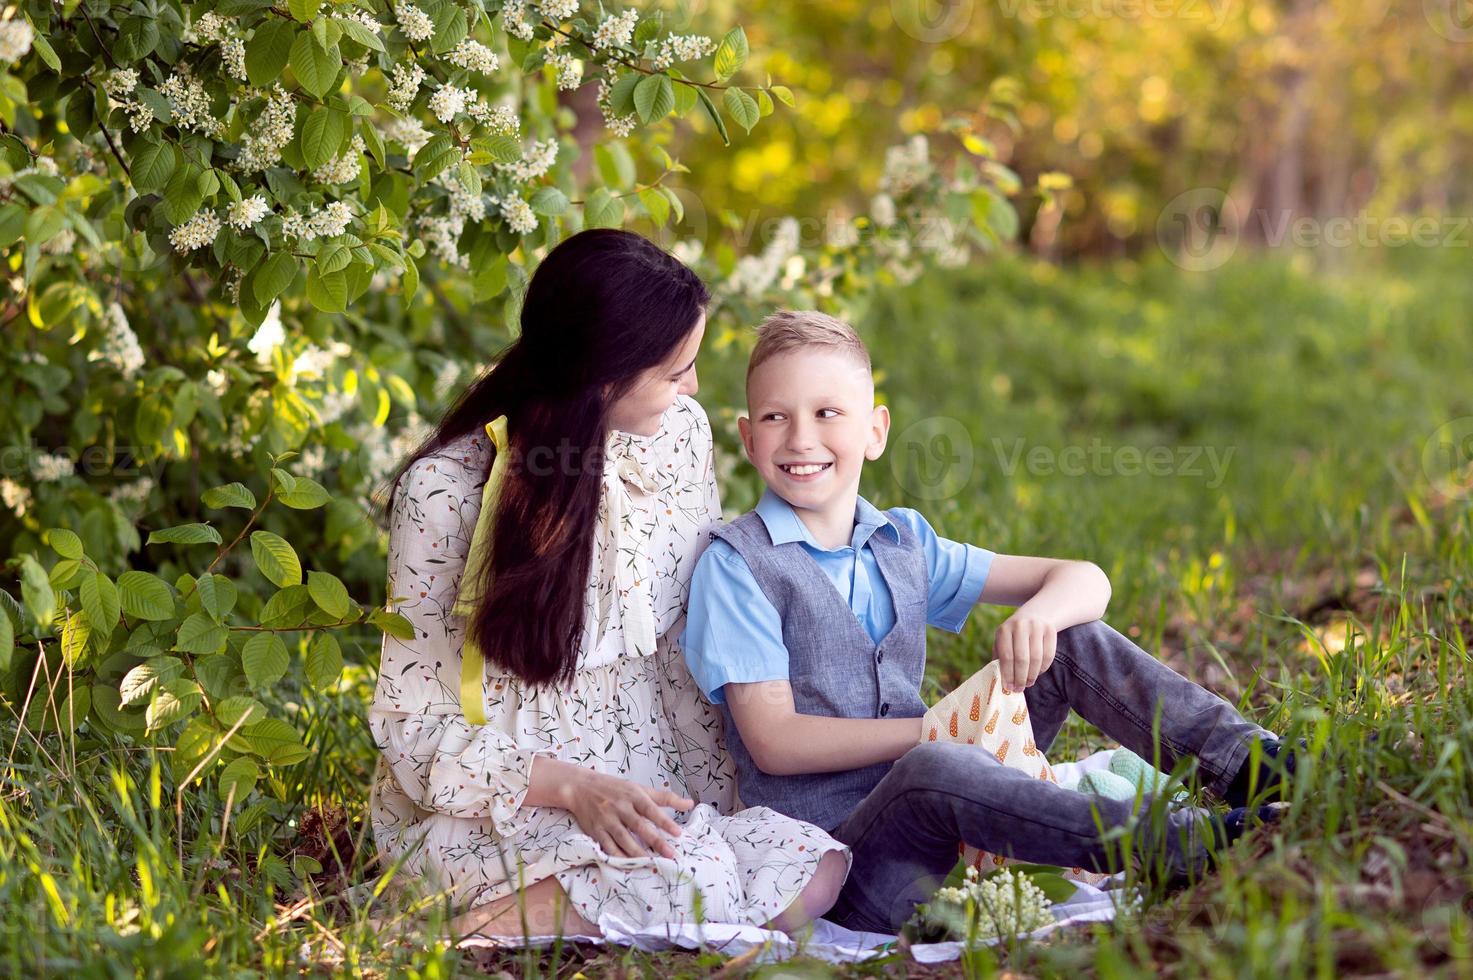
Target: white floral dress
[(447, 796)]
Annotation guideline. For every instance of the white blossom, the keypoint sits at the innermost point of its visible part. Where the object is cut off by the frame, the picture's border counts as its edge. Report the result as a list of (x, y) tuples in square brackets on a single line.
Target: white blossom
[(408, 132), (415, 23), (119, 343), (268, 336), (61, 243), (312, 462), (514, 19), (906, 165), (50, 467), (264, 140), (682, 47), (840, 233), (500, 119), (1005, 904), (132, 495), (190, 102), (617, 124), (569, 70), (519, 215), (120, 83), (15, 39), (474, 56), (332, 220), (232, 54), (200, 229), (404, 86), (244, 214), (448, 102), (616, 31), (882, 210), (343, 168), (557, 11), (445, 378), (755, 274), (140, 115), (537, 158), (217, 380), (313, 362), (335, 404), (441, 235), (209, 27), (15, 497)]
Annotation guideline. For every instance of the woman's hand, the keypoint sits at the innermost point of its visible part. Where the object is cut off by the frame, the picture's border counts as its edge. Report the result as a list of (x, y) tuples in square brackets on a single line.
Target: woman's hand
[(624, 818), (1024, 649)]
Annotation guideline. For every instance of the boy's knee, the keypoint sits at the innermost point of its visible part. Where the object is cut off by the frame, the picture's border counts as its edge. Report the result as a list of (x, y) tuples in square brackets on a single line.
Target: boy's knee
[(933, 765)]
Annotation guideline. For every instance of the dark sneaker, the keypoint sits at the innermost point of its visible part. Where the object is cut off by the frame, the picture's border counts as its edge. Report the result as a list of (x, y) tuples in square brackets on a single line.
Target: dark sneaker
[(1277, 759)]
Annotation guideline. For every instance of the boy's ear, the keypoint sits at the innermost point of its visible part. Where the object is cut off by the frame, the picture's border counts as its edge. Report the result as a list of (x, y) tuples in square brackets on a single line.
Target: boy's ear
[(744, 426), (879, 433)]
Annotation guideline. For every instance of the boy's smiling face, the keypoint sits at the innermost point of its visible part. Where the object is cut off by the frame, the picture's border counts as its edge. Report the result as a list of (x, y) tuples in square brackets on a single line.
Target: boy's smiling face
[(812, 422)]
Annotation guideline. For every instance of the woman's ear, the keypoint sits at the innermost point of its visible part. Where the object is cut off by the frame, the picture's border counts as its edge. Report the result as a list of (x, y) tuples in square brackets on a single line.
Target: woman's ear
[(879, 433)]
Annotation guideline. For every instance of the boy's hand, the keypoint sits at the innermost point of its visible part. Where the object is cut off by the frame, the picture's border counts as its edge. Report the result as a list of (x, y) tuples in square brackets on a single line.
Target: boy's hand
[(1024, 649)]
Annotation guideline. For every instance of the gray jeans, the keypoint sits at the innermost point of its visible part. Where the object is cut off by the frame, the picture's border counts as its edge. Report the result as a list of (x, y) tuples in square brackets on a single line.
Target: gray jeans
[(904, 834)]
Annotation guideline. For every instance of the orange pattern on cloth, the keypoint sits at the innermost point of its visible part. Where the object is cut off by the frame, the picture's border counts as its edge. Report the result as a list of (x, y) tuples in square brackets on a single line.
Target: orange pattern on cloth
[(1007, 734)]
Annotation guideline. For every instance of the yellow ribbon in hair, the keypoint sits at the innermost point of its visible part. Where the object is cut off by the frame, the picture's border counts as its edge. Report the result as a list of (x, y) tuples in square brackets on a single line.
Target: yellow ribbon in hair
[(472, 661)]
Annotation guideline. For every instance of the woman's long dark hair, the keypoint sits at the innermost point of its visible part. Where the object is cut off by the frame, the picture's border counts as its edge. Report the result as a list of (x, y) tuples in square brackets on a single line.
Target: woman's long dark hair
[(602, 307)]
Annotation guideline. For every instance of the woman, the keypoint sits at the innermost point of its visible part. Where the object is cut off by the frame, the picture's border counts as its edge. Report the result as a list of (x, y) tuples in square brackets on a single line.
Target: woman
[(577, 774)]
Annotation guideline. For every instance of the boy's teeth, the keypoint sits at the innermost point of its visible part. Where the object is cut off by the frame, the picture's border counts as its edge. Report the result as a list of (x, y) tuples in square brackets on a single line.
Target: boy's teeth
[(805, 470)]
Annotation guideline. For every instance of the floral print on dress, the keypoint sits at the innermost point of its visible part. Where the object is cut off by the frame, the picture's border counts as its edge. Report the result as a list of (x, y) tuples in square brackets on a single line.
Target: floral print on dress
[(447, 798)]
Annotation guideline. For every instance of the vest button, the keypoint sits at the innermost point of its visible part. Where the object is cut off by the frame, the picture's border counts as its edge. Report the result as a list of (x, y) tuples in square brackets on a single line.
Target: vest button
[(880, 657), (885, 708)]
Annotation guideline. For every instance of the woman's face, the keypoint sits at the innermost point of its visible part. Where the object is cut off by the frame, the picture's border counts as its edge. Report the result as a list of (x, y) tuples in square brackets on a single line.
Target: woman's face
[(640, 409)]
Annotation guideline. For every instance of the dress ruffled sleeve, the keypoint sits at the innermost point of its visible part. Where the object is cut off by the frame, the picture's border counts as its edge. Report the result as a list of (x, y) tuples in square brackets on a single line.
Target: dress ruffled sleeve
[(441, 762)]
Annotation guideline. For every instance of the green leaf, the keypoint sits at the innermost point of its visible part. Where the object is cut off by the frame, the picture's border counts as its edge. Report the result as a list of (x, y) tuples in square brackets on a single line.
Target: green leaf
[(287, 608), (35, 588), (324, 661), (328, 292), (238, 779), (232, 709), (268, 50), (549, 201), (137, 37), (334, 257), (322, 134), (276, 558), (100, 603), (201, 634), (303, 10), (62, 572), (216, 595), (275, 741), (229, 495), (362, 34), (64, 542), (271, 280), (783, 94), (7, 642), (316, 67), (602, 210), (185, 534), (743, 108), (329, 593), (171, 702), (731, 54), (145, 596), (656, 204), (152, 166), (621, 94), (139, 683), (47, 53), (74, 637), (392, 623), (492, 149), (715, 115), (305, 494), (654, 97), (265, 659)]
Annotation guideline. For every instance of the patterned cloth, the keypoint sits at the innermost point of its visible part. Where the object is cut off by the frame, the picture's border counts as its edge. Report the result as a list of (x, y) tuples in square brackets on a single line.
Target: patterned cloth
[(979, 713), (448, 794)]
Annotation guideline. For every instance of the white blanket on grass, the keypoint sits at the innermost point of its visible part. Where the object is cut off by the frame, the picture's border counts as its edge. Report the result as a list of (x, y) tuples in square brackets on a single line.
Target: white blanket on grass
[(834, 943)]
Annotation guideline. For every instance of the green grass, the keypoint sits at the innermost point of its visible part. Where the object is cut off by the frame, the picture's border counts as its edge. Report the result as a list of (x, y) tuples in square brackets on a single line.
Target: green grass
[(1325, 389)]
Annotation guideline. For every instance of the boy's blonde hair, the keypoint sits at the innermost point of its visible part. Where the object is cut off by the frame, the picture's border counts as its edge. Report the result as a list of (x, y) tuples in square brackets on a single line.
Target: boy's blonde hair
[(788, 330)]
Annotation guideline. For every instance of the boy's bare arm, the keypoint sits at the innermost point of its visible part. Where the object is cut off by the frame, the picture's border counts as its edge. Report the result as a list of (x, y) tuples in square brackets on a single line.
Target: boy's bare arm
[(783, 742)]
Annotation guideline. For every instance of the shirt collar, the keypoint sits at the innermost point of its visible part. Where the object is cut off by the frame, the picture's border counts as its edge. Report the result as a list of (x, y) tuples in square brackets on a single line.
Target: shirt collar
[(784, 525)]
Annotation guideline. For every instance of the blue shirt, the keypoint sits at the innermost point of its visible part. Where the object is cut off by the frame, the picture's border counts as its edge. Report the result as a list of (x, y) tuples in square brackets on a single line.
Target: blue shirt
[(733, 633)]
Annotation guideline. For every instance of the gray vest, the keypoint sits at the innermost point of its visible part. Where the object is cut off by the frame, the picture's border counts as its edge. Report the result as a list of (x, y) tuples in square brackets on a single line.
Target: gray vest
[(835, 669)]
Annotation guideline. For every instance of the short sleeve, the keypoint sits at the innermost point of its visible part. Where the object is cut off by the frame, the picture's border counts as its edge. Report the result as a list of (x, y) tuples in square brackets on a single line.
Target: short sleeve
[(957, 571), (732, 631)]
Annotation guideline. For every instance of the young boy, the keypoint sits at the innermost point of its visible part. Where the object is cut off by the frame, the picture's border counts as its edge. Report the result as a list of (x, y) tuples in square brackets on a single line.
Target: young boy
[(806, 625)]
